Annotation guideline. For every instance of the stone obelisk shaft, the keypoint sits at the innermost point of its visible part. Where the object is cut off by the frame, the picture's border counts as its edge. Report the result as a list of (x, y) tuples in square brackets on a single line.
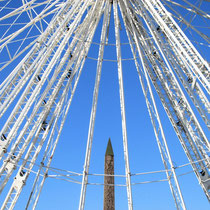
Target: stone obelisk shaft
[(109, 198)]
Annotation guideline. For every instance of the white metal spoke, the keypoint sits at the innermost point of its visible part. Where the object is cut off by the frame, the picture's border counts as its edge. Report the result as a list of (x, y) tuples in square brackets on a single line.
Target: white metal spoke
[(187, 23), (122, 105), (41, 119), (94, 107), (195, 9), (157, 126), (49, 152), (195, 92), (23, 71), (180, 42), (190, 149)]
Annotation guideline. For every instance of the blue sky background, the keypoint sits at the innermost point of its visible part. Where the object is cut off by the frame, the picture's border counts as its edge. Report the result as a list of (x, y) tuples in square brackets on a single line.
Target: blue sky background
[(143, 151)]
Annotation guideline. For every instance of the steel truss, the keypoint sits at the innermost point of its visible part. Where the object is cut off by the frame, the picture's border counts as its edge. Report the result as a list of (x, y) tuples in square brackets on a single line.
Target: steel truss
[(43, 84)]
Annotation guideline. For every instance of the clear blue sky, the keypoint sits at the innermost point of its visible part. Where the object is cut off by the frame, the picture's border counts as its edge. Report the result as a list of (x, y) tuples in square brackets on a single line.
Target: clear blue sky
[(143, 151)]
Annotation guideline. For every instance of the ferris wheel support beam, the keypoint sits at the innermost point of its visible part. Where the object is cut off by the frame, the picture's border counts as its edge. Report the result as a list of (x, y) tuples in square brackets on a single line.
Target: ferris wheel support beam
[(25, 69), (167, 91), (21, 179), (42, 57), (22, 147), (180, 42), (44, 38), (54, 93), (188, 24), (195, 93), (6, 83), (179, 201), (193, 117), (51, 26), (193, 125), (7, 39), (195, 9), (122, 105), (157, 126), (25, 99), (94, 106), (23, 8), (20, 118), (50, 151), (29, 160), (36, 185)]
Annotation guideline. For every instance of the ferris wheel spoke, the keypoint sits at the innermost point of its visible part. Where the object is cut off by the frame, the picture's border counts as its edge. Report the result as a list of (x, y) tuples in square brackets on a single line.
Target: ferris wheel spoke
[(38, 185), (32, 153), (22, 142), (196, 94), (28, 6), (24, 30), (185, 139), (174, 86), (44, 97), (49, 152), (193, 8), (5, 40), (22, 175), (154, 115), (195, 149), (50, 148), (187, 23), (178, 90), (20, 71), (27, 100), (163, 148), (5, 6), (52, 102), (26, 68), (180, 42), (122, 105), (94, 103), (175, 189)]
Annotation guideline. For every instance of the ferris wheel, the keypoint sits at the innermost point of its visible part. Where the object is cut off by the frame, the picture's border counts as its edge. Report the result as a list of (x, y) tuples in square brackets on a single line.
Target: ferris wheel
[(46, 46)]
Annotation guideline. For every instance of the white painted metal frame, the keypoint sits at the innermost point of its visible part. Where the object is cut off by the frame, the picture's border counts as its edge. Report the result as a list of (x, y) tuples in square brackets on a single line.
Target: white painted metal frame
[(187, 135), (122, 106), (50, 72), (180, 42), (28, 91), (64, 75), (156, 122), (94, 106), (195, 92), (49, 152), (24, 70)]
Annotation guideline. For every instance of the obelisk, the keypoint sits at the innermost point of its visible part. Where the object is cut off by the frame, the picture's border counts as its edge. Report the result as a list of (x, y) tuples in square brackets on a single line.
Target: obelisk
[(109, 199)]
